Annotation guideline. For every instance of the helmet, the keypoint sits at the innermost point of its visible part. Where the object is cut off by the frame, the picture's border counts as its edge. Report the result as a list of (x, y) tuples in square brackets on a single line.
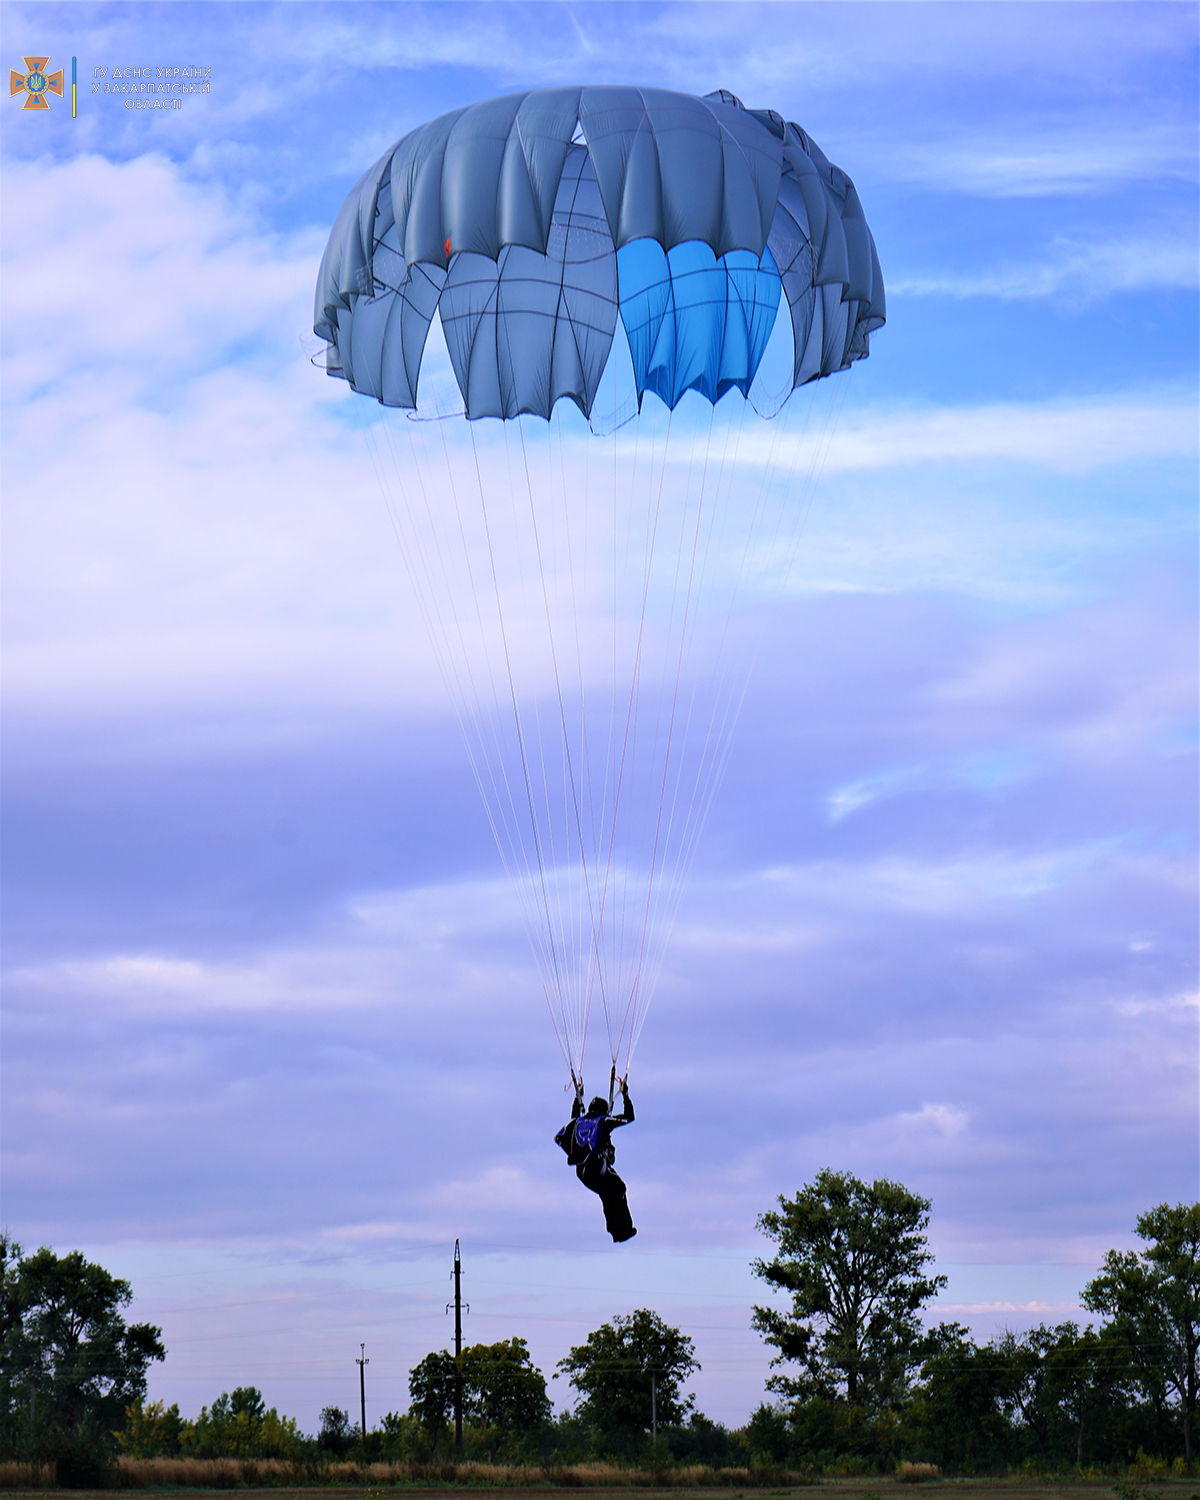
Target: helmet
[(598, 1106)]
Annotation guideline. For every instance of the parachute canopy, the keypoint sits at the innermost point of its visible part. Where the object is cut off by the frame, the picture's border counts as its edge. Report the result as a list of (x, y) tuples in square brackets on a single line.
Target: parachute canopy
[(529, 222)]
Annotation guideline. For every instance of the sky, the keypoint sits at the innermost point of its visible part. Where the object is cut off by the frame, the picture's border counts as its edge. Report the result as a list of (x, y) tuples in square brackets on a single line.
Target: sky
[(273, 1033)]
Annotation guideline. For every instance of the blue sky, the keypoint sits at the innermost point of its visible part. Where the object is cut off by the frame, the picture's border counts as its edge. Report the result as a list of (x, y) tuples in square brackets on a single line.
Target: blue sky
[(272, 1033)]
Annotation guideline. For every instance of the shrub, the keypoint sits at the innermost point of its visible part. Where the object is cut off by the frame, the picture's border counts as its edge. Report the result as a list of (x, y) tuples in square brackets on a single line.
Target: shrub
[(916, 1473)]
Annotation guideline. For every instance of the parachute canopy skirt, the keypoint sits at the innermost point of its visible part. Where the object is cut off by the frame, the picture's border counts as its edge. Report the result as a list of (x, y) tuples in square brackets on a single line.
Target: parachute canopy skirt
[(530, 222)]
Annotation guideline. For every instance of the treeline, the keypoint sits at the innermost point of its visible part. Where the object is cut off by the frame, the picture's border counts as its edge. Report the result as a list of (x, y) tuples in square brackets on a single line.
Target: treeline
[(859, 1385), (862, 1379)]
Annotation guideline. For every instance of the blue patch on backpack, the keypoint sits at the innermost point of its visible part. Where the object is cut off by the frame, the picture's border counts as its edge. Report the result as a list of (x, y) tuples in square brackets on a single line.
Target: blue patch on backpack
[(587, 1132)]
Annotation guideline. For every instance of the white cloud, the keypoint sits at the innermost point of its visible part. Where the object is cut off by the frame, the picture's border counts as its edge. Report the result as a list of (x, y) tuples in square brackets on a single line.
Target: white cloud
[(1109, 682), (162, 985), (945, 1122), (1046, 161), (1073, 271), (206, 528), (1059, 1310), (496, 1187), (957, 886), (1076, 437), (141, 278), (847, 799), (985, 771), (1174, 1007), (797, 51)]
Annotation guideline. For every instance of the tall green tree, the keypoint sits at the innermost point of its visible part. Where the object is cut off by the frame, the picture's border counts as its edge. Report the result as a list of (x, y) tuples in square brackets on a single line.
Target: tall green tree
[(239, 1424), (614, 1369), (10, 1338), (152, 1430), (336, 1435), (1030, 1393), (503, 1391), (958, 1410), (1153, 1299), (73, 1364), (431, 1387), (853, 1259), (1088, 1378)]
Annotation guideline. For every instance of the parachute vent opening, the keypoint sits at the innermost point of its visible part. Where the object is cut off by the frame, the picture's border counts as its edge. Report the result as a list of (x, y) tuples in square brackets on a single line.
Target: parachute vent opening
[(578, 138)]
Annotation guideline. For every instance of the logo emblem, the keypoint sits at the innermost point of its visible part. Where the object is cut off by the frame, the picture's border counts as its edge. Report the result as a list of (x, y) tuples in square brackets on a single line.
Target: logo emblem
[(35, 83)]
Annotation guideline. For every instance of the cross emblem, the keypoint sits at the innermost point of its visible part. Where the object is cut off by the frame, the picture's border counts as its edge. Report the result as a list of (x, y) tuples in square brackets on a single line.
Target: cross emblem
[(36, 82)]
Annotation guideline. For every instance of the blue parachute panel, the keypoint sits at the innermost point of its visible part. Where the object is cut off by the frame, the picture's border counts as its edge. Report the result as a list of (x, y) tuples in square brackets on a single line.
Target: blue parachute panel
[(695, 323)]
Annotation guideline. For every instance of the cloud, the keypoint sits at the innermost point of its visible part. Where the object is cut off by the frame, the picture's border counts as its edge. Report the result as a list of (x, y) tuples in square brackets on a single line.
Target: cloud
[(988, 771), (438, 945), (1163, 1004), (959, 886), (207, 527), (847, 799), (177, 281), (1086, 712), (760, 47), (1069, 437), (942, 1121), (157, 1057), (1052, 161), (1074, 272), (161, 985)]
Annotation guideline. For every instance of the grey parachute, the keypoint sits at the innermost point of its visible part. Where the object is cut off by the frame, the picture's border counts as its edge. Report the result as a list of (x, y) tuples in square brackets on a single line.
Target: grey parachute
[(591, 629), (530, 221)]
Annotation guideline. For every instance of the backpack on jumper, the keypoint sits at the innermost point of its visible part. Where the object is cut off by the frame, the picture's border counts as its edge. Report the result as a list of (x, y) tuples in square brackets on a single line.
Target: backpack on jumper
[(587, 1132)]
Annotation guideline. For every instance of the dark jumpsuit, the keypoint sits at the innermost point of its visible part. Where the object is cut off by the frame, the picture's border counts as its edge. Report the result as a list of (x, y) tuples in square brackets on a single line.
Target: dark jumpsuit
[(594, 1168)]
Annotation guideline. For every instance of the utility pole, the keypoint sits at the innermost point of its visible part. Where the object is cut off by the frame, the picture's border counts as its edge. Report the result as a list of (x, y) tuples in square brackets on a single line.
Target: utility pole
[(654, 1409), (456, 1274), (362, 1362)]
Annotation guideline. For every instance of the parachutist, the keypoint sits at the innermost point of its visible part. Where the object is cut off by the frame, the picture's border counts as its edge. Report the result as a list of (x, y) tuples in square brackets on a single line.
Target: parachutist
[(587, 1140)]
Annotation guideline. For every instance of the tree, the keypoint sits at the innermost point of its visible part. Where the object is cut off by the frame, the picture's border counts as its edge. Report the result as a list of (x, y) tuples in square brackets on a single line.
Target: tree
[(958, 1411), (73, 1364), (768, 1439), (1028, 1393), (431, 1388), (1087, 1375), (240, 1425), (853, 1258), (401, 1437), (613, 1370), (1153, 1299), (704, 1442), (153, 1430), (335, 1435), (10, 1338), (503, 1391)]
